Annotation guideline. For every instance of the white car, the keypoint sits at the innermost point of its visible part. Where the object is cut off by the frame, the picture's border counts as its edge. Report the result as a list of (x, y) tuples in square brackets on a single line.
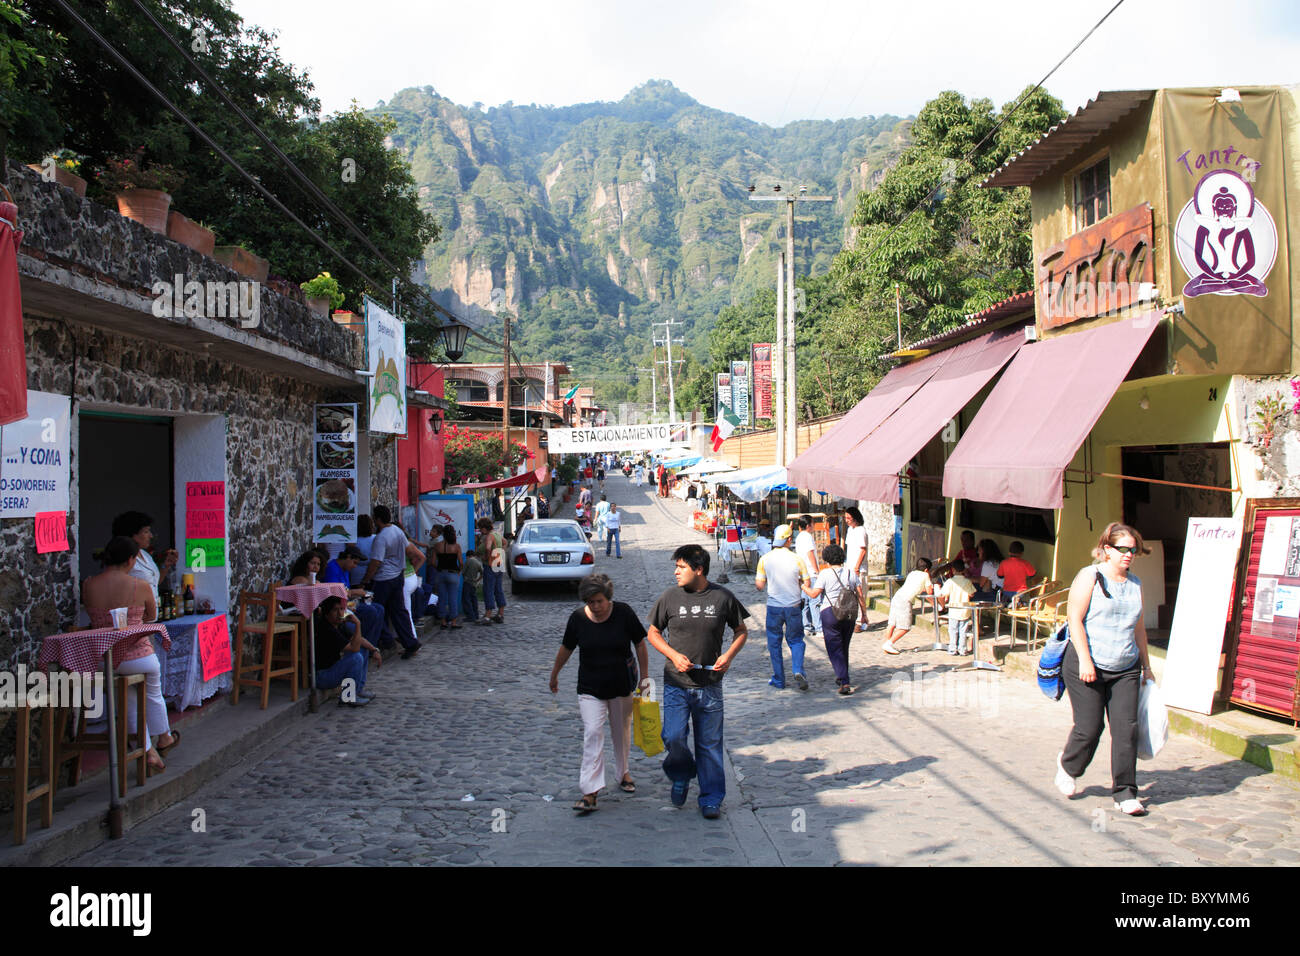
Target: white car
[(549, 549)]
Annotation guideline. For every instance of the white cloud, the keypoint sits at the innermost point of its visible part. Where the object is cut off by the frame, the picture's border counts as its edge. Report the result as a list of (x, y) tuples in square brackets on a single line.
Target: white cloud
[(772, 60)]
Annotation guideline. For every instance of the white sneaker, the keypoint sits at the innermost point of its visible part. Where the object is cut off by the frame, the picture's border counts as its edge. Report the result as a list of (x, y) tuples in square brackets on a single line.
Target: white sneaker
[(1132, 807), (889, 648), (1064, 782)]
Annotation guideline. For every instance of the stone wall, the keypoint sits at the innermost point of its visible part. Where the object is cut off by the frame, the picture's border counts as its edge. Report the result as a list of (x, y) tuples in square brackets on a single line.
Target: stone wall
[(1276, 459)]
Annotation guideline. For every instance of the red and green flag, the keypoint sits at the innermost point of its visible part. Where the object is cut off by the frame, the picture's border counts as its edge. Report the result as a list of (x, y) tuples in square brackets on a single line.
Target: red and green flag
[(724, 427)]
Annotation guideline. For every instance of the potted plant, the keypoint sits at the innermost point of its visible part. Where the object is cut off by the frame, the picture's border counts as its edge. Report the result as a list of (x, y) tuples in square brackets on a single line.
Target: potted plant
[(62, 168), (322, 294), (143, 190), (243, 262), (189, 233)]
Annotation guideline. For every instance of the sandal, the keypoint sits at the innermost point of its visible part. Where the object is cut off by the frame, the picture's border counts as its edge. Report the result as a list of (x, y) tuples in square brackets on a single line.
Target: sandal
[(626, 785), (176, 739), (586, 805), (152, 767)]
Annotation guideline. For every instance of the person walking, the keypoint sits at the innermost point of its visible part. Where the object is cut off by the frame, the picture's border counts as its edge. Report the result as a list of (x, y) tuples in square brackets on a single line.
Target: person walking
[(805, 546), (780, 573), (602, 509), (491, 552), (606, 634), (1105, 665), (613, 527), (687, 626), (855, 554), (915, 584), (836, 589)]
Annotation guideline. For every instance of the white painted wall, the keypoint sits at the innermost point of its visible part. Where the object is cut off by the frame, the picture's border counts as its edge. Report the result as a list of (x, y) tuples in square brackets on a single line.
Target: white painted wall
[(200, 455)]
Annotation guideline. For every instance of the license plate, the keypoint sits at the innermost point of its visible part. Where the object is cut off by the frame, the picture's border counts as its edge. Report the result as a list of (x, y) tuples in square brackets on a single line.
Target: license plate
[(555, 559)]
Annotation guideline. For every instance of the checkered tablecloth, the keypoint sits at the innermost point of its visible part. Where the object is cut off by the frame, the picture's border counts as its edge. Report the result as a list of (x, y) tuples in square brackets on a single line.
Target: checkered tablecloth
[(307, 597), (84, 650)]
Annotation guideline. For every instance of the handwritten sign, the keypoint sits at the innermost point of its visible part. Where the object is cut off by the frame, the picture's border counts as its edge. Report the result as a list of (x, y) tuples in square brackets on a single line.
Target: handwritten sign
[(205, 496), (51, 531), (34, 458), (204, 553), (214, 646), (1200, 614), (205, 524)]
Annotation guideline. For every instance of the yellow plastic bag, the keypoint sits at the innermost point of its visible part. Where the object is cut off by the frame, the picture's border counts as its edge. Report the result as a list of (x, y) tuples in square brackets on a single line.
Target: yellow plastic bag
[(647, 728)]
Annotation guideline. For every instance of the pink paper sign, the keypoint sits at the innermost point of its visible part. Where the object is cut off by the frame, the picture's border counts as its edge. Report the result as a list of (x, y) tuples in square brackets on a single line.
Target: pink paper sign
[(214, 646), (51, 531), (205, 496), (205, 524)]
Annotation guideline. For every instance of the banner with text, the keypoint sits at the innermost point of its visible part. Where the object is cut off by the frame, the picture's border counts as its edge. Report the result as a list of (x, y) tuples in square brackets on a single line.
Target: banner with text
[(386, 337), (762, 380), (34, 460), (567, 441), (723, 394), (740, 391)]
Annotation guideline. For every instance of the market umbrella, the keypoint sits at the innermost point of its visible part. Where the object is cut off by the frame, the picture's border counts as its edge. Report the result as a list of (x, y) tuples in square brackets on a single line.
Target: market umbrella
[(13, 350)]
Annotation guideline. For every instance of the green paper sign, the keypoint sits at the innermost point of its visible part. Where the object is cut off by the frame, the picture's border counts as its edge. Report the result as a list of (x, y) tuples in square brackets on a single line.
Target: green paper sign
[(204, 553)]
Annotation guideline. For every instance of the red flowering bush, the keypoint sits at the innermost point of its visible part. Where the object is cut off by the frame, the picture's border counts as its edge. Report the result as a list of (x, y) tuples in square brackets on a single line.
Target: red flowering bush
[(132, 172), (472, 456)]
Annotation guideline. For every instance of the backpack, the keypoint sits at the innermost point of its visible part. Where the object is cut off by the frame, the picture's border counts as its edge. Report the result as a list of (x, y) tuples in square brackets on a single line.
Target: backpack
[(845, 603)]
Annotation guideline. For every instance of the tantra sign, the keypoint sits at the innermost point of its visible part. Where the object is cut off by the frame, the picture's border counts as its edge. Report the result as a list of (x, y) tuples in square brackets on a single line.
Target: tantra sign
[(1097, 271)]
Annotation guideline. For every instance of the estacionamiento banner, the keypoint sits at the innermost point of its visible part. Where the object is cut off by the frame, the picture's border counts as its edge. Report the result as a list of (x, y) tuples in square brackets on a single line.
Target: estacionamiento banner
[(566, 441)]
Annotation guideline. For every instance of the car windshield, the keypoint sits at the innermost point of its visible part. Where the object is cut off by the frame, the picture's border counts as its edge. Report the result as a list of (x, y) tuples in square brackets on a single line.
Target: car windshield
[(552, 534)]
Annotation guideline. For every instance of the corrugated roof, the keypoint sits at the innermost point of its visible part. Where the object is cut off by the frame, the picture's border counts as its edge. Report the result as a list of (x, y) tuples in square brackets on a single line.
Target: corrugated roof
[(976, 321), (1065, 137)]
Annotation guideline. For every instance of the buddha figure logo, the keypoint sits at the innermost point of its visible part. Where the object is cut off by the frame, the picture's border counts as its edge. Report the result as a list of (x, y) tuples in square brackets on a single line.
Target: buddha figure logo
[(1225, 239)]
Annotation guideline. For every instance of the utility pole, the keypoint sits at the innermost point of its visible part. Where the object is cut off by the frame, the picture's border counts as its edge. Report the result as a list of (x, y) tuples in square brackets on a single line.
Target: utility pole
[(505, 390), (778, 362), (654, 388), (789, 195), (668, 344)]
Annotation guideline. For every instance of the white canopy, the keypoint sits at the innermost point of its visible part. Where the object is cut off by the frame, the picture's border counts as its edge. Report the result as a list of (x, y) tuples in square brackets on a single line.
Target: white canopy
[(707, 467), (751, 484)]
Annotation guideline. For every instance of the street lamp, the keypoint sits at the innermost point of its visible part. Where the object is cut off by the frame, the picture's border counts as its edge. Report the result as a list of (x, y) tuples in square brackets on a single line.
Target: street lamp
[(453, 335)]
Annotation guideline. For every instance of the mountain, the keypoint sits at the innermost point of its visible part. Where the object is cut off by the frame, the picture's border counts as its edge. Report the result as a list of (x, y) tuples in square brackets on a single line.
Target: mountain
[(588, 222)]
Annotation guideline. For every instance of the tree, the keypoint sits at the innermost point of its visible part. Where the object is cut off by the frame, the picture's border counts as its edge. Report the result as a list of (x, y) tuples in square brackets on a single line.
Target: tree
[(965, 248)]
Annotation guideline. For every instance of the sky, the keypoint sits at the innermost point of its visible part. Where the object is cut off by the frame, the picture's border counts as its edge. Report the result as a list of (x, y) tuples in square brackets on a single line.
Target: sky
[(772, 60)]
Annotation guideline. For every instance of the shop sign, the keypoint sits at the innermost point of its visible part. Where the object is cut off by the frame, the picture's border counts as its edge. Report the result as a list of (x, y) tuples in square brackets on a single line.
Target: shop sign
[(34, 458), (1225, 238), (740, 391), (564, 441), (386, 336), (214, 646), (334, 490), (762, 356), (1100, 270), (723, 394), (205, 524)]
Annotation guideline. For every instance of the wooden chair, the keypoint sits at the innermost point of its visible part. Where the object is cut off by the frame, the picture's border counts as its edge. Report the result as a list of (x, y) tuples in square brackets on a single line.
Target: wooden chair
[(21, 774), (264, 668), (72, 740), (282, 654)]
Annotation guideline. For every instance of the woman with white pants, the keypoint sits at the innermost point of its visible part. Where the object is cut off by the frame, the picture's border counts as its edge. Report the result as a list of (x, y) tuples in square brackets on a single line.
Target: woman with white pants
[(606, 634)]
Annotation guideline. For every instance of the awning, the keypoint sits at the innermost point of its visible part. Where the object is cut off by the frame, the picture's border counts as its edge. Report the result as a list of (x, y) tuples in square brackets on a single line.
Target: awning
[(809, 469), (514, 481), (683, 462), (870, 472), (706, 467), (1032, 424), (751, 484)]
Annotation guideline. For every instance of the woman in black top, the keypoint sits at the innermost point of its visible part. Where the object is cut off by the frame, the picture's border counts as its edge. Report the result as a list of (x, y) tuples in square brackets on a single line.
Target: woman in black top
[(607, 634), (448, 562)]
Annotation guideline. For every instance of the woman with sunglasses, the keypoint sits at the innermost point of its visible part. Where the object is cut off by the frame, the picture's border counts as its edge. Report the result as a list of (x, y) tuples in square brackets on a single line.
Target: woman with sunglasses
[(1105, 665)]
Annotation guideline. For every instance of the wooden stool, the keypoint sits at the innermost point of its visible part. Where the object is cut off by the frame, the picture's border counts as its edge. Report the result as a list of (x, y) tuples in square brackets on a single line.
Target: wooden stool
[(282, 652), (264, 669), (21, 772), (80, 741)]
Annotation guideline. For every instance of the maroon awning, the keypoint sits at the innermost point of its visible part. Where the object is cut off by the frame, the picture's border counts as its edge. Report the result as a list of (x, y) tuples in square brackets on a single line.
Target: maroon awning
[(810, 469), (515, 481), (13, 349), (871, 473), (1032, 424)]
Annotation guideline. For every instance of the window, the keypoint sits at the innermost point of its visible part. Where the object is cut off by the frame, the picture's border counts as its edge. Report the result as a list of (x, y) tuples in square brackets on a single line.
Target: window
[(468, 391), (928, 505), (552, 534), (1012, 521), (1092, 194)]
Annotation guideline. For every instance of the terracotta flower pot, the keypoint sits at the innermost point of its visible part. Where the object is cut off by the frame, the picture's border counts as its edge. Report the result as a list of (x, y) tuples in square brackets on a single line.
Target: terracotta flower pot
[(64, 177), (189, 233), (146, 206), (320, 305), (243, 262)]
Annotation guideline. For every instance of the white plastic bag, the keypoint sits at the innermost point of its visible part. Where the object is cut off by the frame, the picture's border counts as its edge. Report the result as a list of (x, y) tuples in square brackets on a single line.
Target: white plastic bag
[(1153, 721)]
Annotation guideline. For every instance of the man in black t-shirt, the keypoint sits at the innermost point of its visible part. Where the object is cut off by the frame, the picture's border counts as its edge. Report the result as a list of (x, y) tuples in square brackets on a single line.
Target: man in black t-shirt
[(687, 626), (341, 656)]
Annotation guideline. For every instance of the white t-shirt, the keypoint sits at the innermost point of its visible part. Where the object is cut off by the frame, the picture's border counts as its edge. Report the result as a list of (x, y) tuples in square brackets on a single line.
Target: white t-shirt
[(803, 543), (956, 591), (855, 543), (781, 571), (147, 571), (913, 585), (614, 520), (990, 571), (832, 581)]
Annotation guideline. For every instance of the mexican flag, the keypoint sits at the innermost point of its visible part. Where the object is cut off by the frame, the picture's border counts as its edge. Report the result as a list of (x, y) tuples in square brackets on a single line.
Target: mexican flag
[(573, 392), (725, 426)]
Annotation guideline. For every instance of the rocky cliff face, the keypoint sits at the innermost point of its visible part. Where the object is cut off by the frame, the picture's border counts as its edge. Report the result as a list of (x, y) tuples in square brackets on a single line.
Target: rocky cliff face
[(589, 209)]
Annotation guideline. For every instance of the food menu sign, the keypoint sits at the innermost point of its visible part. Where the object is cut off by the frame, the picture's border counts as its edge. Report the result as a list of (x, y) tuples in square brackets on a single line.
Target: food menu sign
[(334, 492)]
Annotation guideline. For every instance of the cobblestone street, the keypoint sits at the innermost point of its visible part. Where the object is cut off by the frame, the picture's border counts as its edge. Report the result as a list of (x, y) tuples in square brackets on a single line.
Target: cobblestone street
[(465, 757)]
